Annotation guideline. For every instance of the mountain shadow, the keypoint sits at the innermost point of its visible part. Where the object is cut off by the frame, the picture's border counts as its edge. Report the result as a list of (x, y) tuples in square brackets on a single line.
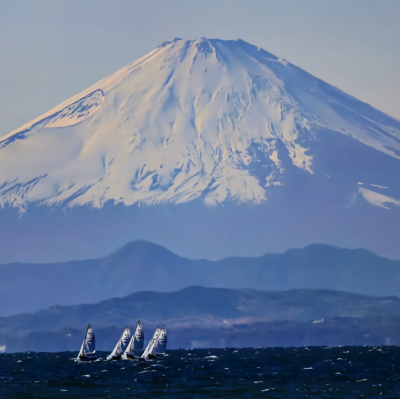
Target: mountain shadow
[(141, 265)]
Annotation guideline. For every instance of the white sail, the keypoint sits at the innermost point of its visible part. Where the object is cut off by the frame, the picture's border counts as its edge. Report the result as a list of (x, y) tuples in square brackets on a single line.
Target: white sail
[(122, 344), (138, 338), (136, 343), (153, 341), (89, 343), (116, 351), (161, 344)]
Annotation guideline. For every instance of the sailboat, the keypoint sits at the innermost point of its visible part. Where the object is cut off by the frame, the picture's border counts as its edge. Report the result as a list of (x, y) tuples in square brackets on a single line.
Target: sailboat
[(88, 348), (121, 345), (157, 345), (147, 352), (136, 344), (161, 345)]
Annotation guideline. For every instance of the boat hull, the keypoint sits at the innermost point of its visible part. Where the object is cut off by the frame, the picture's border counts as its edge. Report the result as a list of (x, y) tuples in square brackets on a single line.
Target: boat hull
[(132, 358), (114, 357)]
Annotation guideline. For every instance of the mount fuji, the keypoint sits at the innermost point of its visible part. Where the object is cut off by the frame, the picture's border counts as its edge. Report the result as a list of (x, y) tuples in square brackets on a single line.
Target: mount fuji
[(210, 147)]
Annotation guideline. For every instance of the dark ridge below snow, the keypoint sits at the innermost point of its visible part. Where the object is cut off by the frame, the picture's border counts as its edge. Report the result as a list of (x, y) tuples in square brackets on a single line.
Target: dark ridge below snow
[(214, 317)]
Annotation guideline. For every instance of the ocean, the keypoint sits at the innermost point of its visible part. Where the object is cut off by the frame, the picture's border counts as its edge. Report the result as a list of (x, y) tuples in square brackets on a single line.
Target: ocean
[(314, 372)]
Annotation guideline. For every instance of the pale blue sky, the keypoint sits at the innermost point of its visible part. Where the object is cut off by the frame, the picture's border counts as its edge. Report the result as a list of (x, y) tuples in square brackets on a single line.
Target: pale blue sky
[(51, 50)]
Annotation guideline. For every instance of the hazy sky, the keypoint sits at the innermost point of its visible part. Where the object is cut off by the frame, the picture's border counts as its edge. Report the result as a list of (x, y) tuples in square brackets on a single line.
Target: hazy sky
[(51, 50)]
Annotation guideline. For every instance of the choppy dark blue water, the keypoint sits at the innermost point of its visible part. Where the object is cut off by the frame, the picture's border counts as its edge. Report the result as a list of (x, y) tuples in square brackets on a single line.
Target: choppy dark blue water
[(318, 372)]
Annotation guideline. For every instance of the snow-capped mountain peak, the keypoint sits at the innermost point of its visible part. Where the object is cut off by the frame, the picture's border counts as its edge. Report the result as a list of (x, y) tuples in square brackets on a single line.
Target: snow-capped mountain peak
[(210, 119)]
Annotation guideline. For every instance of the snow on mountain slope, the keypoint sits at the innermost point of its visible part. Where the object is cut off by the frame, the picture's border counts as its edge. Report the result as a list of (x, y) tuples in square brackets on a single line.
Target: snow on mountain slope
[(211, 119)]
